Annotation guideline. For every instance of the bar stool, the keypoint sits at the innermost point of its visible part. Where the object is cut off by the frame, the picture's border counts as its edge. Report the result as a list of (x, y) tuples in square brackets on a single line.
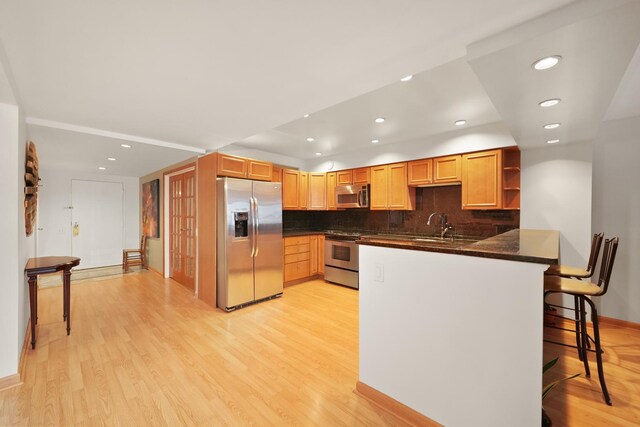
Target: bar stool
[(578, 273), (583, 291)]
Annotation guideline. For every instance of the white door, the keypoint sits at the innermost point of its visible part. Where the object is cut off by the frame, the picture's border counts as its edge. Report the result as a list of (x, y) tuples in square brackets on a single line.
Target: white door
[(97, 222)]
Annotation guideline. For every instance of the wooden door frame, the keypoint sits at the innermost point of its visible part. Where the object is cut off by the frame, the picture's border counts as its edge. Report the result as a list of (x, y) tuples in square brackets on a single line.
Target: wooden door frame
[(166, 268)]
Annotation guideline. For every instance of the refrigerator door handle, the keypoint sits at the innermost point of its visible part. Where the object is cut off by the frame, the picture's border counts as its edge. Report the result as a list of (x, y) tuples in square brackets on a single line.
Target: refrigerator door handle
[(256, 224), (253, 236)]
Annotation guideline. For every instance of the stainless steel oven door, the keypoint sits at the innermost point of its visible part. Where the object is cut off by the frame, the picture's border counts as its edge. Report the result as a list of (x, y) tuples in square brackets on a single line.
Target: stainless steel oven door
[(341, 253)]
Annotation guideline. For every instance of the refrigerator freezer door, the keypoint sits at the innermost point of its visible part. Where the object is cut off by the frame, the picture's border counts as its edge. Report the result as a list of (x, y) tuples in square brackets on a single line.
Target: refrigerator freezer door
[(269, 258), (235, 243)]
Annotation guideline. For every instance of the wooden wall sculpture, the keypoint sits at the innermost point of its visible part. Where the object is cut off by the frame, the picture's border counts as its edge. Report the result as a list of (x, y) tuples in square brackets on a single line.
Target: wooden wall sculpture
[(30, 188)]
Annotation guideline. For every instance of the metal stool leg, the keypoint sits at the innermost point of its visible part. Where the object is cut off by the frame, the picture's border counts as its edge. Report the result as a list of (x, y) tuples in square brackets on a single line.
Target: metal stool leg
[(584, 337), (576, 304), (596, 336)]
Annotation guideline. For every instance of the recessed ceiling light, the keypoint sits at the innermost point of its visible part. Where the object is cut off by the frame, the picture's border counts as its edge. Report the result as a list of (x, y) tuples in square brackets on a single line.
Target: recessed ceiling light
[(111, 159), (406, 78), (374, 141), (102, 168), (318, 154), (310, 139), (460, 122), (305, 116), (125, 145), (546, 63), (380, 120), (553, 141), (549, 102), (552, 126)]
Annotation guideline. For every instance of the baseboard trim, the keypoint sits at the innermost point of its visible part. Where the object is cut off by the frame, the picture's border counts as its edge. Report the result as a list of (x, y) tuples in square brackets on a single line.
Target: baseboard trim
[(155, 271), (25, 349), (16, 379), (570, 323), (10, 381), (394, 407), (620, 323)]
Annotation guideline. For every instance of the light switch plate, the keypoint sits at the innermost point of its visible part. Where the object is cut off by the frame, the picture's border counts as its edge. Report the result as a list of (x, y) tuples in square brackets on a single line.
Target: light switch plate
[(378, 274)]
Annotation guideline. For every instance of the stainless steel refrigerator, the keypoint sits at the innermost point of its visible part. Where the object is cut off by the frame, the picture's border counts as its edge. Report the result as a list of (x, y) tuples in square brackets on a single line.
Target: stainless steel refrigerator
[(249, 251)]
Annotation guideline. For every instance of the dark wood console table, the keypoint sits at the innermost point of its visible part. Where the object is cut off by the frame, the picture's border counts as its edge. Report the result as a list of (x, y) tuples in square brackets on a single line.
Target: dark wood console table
[(44, 265)]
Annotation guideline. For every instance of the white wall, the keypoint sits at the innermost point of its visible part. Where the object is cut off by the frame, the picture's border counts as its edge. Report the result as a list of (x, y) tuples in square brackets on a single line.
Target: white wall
[(55, 219), (10, 278), (616, 212), (556, 195), (465, 140), (15, 246), (26, 245)]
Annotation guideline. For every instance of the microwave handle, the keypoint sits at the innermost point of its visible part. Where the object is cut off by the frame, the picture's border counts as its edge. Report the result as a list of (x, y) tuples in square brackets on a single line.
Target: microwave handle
[(360, 198)]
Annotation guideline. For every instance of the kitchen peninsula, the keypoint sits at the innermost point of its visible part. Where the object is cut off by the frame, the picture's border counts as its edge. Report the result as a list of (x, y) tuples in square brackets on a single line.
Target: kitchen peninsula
[(476, 358)]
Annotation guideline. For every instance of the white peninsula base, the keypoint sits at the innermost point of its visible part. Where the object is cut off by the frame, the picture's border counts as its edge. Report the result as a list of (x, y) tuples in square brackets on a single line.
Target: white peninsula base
[(456, 338)]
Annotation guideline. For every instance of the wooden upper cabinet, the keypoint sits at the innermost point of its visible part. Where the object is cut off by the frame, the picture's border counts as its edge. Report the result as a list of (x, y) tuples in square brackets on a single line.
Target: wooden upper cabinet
[(400, 197), (482, 180), (239, 167), (276, 174), (303, 199), (379, 188), (290, 189), (420, 172), (232, 166), (390, 189), (331, 191), (361, 176), (344, 177), (262, 171), (447, 169), (317, 191)]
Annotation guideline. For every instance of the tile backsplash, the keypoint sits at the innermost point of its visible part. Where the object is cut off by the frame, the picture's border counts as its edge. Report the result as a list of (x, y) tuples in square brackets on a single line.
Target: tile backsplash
[(446, 199)]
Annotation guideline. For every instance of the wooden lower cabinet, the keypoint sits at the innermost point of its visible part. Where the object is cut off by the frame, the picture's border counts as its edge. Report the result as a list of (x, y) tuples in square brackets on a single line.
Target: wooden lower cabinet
[(303, 258), (313, 258)]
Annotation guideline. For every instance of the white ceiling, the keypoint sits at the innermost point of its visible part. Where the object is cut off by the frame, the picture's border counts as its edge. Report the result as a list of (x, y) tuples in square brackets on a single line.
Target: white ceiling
[(428, 104), (207, 74), (67, 150)]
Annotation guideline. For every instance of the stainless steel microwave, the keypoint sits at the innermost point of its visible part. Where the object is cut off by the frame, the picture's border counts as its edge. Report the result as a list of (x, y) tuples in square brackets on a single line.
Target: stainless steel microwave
[(352, 196)]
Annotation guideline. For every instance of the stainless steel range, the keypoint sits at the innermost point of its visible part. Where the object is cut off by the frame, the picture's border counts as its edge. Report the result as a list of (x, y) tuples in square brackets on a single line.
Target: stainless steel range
[(341, 258)]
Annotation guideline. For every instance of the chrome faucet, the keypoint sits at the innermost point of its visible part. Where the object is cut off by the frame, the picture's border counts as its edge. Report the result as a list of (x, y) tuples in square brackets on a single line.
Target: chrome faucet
[(444, 225)]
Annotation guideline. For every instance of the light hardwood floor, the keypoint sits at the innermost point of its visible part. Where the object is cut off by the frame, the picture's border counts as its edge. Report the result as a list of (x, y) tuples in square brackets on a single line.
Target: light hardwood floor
[(142, 351), (579, 402)]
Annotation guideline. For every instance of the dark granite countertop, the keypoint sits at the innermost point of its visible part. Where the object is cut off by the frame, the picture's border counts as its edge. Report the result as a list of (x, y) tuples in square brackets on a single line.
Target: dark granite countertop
[(535, 246), (293, 233)]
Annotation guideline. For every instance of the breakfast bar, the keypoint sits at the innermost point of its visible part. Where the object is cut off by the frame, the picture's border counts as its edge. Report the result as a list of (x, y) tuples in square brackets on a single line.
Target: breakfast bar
[(454, 330)]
